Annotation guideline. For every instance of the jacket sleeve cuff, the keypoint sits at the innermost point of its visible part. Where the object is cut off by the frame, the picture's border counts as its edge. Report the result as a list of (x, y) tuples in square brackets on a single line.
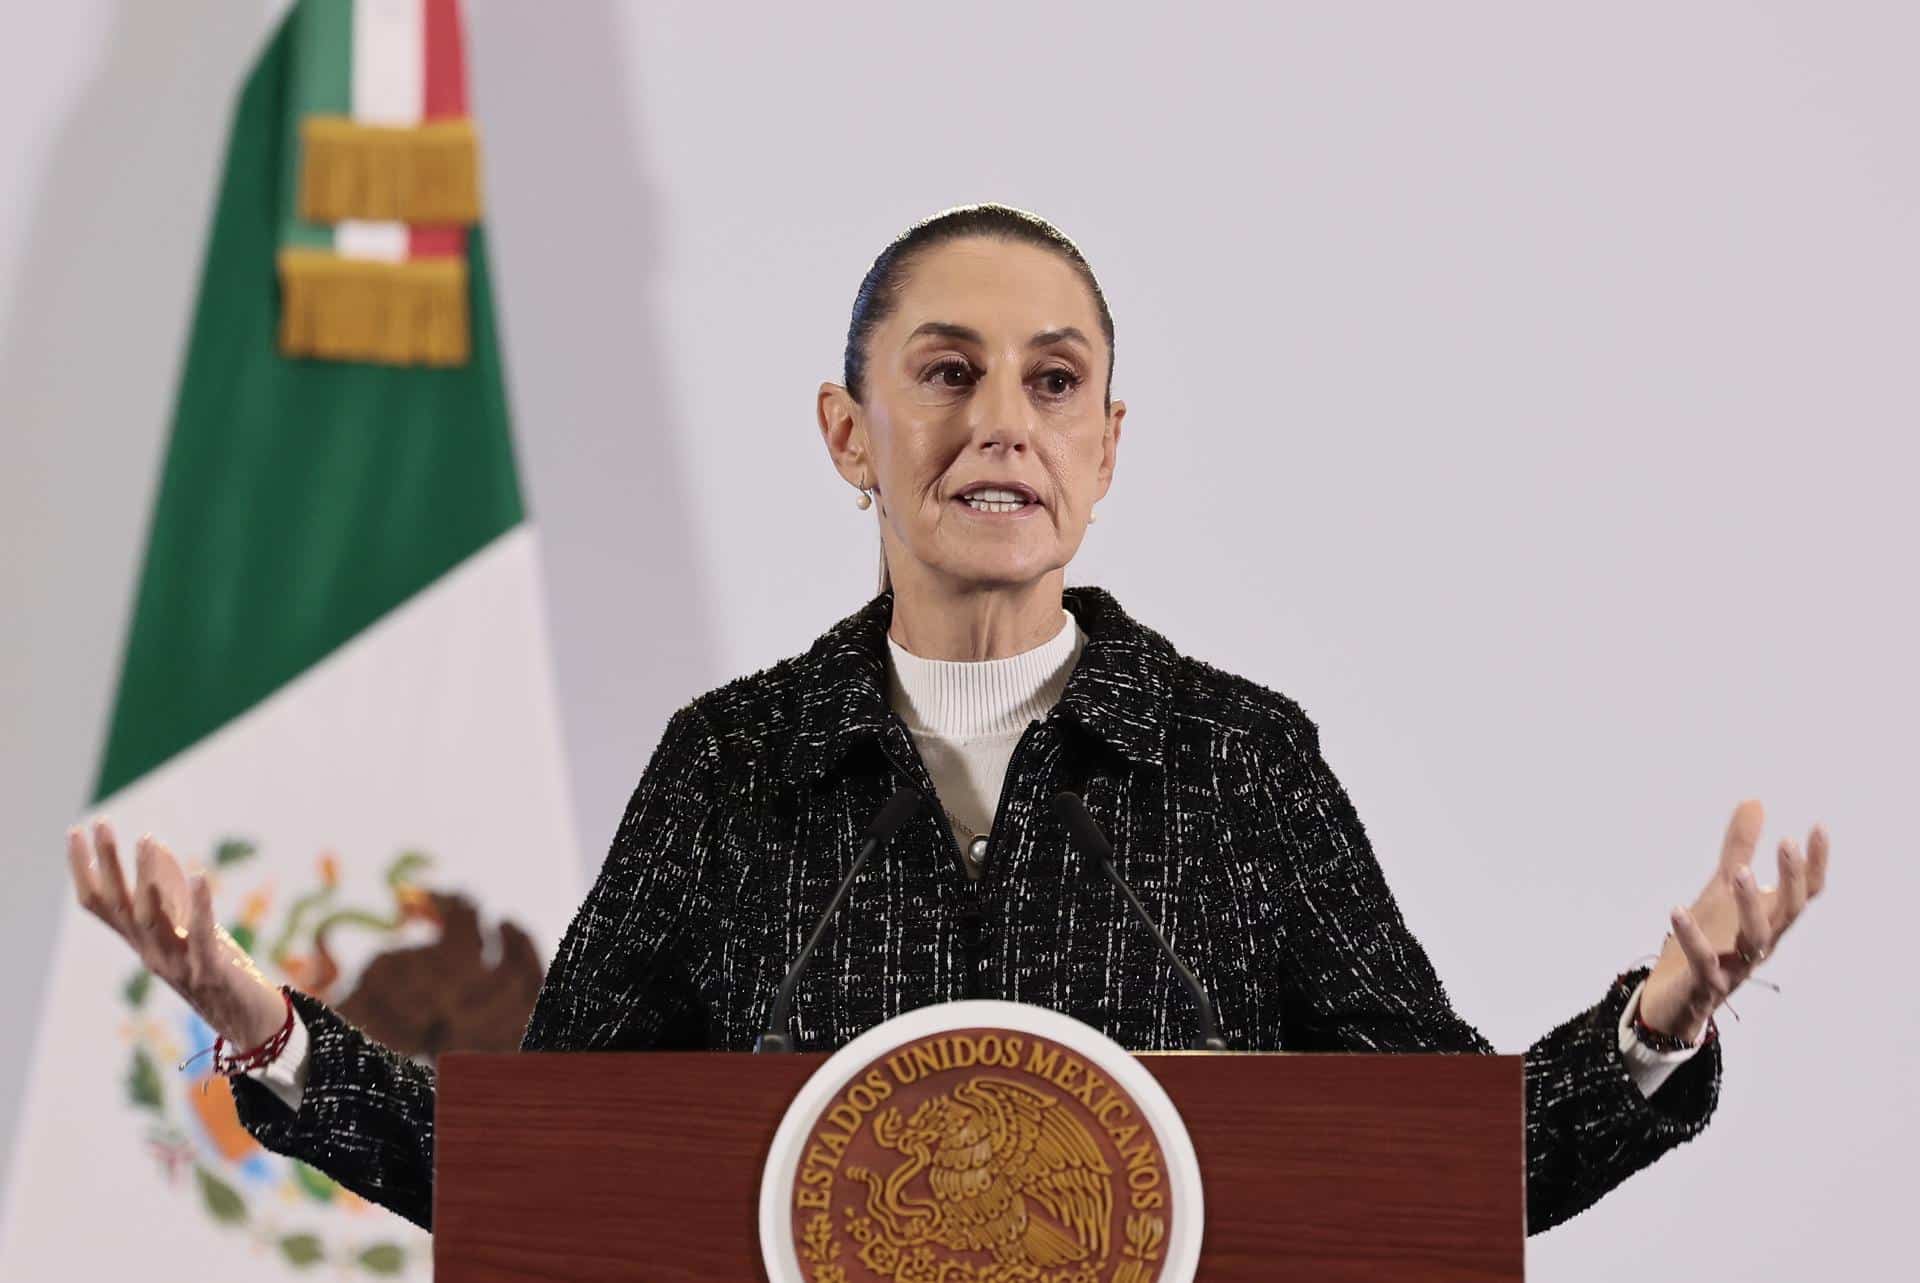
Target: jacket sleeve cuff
[(1589, 1126), (286, 1074), (1649, 1068), (1677, 1105), (263, 1108), (365, 1113)]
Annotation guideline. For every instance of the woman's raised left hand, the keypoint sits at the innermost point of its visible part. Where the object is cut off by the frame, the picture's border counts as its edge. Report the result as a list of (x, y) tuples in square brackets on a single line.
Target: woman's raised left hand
[(1732, 926)]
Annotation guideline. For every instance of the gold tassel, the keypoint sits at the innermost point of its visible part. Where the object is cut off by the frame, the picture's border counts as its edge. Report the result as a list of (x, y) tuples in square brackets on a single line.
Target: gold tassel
[(428, 173), (356, 309)]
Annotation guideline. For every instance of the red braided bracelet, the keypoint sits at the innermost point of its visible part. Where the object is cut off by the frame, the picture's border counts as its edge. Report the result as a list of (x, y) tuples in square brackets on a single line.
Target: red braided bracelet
[(1659, 1040), (255, 1057)]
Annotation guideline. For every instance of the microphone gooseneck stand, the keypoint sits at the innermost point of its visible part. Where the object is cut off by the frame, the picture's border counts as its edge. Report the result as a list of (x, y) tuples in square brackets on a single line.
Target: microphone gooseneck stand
[(892, 814), (1087, 836)]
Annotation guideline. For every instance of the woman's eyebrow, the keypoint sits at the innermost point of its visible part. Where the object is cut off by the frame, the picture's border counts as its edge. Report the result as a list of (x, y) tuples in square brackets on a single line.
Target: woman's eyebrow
[(1066, 334), (966, 333), (946, 330)]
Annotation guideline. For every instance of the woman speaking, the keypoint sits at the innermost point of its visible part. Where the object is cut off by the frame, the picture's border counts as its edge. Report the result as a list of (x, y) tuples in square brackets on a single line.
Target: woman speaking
[(975, 418)]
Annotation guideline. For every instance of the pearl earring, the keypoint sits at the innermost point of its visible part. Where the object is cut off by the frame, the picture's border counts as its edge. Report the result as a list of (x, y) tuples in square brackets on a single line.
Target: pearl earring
[(1092, 516), (865, 500)]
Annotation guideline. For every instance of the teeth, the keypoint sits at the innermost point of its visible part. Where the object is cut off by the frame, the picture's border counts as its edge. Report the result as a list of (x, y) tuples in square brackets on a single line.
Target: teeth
[(994, 499)]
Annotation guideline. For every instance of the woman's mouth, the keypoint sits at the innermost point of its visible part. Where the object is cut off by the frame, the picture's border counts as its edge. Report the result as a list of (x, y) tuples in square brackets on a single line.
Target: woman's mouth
[(997, 504)]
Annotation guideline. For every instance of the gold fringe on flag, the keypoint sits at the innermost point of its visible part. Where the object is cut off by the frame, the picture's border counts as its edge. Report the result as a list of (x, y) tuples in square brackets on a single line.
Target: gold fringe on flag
[(356, 309), (428, 173)]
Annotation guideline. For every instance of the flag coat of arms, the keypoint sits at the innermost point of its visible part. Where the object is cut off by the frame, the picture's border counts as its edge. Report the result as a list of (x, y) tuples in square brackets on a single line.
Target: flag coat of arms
[(336, 693)]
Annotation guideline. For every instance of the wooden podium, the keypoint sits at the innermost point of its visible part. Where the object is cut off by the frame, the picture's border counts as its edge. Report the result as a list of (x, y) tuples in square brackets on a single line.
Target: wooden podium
[(592, 1166)]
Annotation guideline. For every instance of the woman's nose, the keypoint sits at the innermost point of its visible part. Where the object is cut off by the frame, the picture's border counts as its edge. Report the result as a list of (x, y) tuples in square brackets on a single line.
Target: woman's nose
[(1002, 414)]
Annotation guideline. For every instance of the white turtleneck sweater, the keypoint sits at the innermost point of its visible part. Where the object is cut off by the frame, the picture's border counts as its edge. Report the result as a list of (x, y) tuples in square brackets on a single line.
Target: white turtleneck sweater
[(966, 717)]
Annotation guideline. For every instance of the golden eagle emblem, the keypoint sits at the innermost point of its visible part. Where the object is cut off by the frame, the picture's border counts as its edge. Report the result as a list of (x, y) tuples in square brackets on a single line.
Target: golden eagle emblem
[(1007, 1172), (979, 1155)]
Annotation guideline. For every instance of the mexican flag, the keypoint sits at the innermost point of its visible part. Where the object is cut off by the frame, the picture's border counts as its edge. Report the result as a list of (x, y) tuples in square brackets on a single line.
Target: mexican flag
[(336, 692)]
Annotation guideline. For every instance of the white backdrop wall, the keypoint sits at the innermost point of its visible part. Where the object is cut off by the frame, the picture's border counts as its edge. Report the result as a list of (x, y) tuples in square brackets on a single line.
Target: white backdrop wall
[(1528, 390)]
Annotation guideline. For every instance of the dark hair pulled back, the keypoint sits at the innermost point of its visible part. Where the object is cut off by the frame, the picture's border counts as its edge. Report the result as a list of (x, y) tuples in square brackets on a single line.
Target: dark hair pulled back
[(880, 289)]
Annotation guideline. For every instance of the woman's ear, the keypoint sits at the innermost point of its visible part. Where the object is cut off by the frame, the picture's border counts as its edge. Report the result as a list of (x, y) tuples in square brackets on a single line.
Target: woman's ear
[(1110, 447), (841, 430)]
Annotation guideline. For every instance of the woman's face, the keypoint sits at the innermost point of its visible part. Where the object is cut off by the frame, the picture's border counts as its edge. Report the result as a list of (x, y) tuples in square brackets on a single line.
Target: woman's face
[(990, 369)]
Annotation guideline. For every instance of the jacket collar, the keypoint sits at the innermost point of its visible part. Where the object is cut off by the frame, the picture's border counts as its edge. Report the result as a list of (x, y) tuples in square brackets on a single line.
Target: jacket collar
[(1118, 691)]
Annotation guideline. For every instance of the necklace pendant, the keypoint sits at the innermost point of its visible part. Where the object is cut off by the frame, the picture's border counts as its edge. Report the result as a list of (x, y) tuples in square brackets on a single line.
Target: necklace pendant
[(975, 856)]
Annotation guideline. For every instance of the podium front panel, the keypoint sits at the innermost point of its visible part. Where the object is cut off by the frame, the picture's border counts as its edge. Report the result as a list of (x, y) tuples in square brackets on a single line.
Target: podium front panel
[(603, 1166)]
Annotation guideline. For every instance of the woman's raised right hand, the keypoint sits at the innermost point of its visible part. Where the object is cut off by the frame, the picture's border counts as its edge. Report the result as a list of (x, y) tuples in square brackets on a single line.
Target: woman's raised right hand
[(168, 919)]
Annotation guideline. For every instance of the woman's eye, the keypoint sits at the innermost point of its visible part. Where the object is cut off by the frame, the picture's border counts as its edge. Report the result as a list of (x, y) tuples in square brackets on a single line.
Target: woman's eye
[(1059, 382), (939, 373)]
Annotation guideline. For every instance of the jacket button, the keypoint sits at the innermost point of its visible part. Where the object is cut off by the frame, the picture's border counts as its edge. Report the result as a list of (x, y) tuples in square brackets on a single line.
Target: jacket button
[(973, 929)]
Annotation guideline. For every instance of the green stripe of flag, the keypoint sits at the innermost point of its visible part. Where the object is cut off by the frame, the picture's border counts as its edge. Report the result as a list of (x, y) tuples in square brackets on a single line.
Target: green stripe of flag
[(322, 86)]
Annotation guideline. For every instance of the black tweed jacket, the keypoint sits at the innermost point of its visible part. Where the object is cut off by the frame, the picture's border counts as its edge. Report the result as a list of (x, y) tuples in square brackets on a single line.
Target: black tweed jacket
[(1223, 817)]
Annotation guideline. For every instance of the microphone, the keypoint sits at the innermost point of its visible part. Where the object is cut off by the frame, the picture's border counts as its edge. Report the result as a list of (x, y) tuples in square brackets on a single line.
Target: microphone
[(891, 815), (1092, 842)]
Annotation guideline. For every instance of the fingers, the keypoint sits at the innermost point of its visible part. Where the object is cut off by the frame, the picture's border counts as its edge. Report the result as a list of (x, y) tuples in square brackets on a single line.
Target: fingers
[(113, 882), (1816, 860), (80, 868), (1742, 836), (143, 884), (1756, 933), (98, 883), (172, 881), (1710, 981), (158, 875), (203, 937), (1793, 886), (167, 916), (154, 922), (161, 943)]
